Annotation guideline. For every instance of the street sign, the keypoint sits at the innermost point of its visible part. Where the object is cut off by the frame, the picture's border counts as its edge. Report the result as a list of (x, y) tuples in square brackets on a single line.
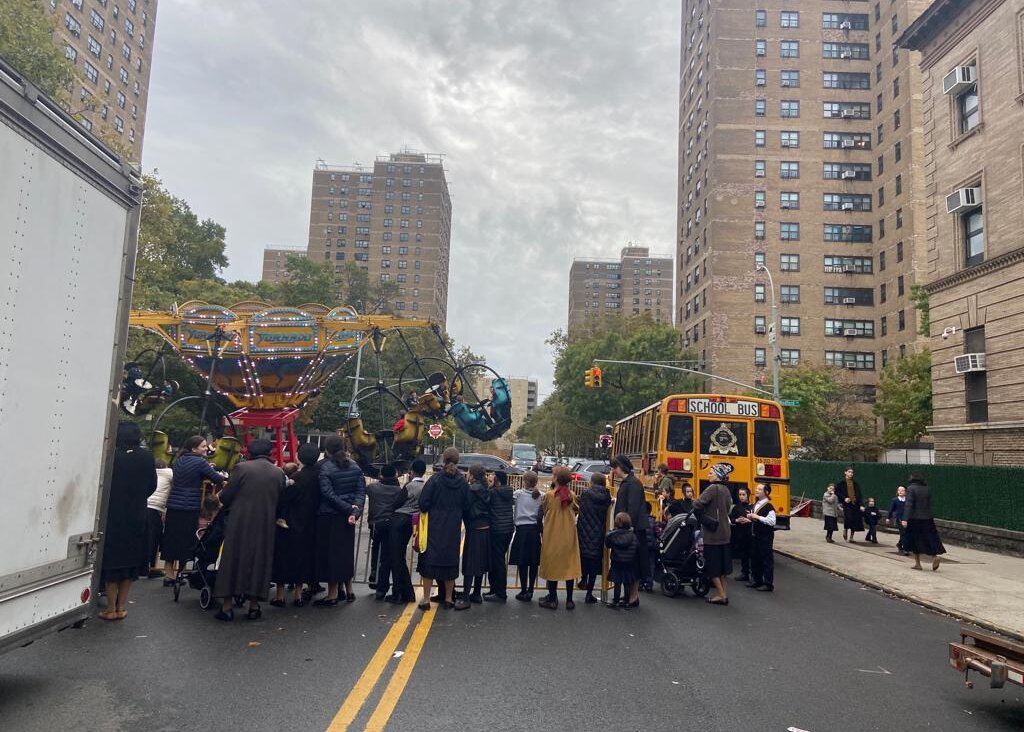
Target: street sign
[(789, 402), (771, 333), (435, 430)]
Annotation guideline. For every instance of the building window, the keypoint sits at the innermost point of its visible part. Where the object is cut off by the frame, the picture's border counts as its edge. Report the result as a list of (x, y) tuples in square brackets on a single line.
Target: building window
[(789, 231), (789, 262), (760, 358), (976, 382), (881, 196), (789, 169), (897, 151), (881, 261), (902, 320), (882, 290), (899, 251), (789, 293), (760, 107), (759, 138), (759, 259), (845, 80), (789, 77), (789, 138), (895, 87), (881, 133), (789, 199), (759, 293), (96, 19), (789, 356), (968, 109), (760, 77), (789, 108), (761, 18), (761, 47), (899, 185), (760, 324), (91, 73), (790, 19), (899, 218), (884, 324), (974, 237), (896, 120), (881, 164), (759, 170), (759, 230), (895, 24), (759, 199), (789, 49)]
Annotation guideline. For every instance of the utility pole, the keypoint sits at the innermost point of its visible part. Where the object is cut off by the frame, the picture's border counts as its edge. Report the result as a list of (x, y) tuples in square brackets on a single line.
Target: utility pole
[(773, 335)]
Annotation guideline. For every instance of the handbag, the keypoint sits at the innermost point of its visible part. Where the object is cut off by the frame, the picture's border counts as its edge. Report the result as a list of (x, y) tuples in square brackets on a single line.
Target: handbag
[(421, 533)]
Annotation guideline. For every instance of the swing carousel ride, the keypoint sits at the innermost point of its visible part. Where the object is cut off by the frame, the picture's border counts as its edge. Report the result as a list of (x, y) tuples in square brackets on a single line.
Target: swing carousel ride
[(270, 363)]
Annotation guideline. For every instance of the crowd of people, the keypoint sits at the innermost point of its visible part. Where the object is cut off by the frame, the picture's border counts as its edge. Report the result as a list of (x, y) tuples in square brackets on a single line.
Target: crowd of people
[(910, 512), (295, 529)]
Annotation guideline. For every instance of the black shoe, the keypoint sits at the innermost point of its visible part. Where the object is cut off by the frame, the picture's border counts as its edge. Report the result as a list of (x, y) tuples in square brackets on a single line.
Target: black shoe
[(830, 540), (277, 603), (549, 603), (436, 598), (634, 604), (461, 605), (743, 578), (326, 602), (755, 585), (570, 605), (255, 613), (342, 596), (372, 583), (523, 596), (475, 598), (590, 599), (613, 604), (766, 588), (495, 598), (489, 593), (301, 602), (225, 616)]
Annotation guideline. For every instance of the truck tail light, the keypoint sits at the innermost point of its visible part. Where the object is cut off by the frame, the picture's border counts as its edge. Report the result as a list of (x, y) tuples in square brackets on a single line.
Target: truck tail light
[(86, 594)]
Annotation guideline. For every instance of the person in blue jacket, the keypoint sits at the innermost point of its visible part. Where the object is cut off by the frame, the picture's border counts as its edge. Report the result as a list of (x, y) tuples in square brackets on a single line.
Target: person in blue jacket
[(342, 493), (190, 469)]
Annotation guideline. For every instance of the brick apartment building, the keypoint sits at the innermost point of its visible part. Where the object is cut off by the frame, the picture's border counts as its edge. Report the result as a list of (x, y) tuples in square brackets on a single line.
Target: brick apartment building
[(635, 283), (111, 44), (394, 220), (799, 127), (972, 58), (275, 262)]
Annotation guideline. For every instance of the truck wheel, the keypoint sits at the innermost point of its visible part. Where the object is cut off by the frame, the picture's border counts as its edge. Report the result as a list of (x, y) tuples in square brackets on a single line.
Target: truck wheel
[(670, 584), (205, 598)]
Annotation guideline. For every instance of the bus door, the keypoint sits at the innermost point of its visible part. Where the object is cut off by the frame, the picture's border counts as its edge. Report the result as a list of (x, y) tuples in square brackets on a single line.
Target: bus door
[(772, 467), (724, 440)]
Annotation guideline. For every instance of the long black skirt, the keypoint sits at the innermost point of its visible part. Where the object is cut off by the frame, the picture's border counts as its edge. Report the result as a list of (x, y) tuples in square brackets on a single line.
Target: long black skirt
[(476, 553), (435, 572), (154, 533), (717, 560), (179, 535), (853, 517), (921, 537), (591, 565), (335, 548), (831, 524), (525, 549)]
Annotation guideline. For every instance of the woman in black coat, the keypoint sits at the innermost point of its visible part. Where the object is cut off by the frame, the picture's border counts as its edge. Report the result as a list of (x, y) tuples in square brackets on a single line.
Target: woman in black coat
[(921, 536), (850, 498), (295, 546), (591, 525), (132, 482), (444, 499)]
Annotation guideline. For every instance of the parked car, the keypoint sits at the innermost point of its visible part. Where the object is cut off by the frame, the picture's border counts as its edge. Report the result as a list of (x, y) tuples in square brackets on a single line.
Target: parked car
[(548, 462), (490, 462), (583, 469)]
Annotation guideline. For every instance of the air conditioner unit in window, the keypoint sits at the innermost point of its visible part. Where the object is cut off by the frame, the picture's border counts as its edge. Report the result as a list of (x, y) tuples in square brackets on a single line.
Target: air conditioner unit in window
[(760, 329), (759, 174), (850, 332), (969, 362), (850, 364), (846, 54), (758, 204), (785, 204), (849, 174), (849, 301), (784, 82), (958, 79), (845, 25), (846, 207), (849, 268), (837, 331), (849, 113), (963, 199), (846, 142)]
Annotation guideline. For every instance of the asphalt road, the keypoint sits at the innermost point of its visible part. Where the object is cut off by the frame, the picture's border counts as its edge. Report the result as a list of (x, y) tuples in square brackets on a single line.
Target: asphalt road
[(821, 653)]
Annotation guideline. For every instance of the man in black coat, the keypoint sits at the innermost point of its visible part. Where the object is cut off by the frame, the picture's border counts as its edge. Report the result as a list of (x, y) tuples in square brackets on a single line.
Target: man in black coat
[(630, 499), (850, 498)]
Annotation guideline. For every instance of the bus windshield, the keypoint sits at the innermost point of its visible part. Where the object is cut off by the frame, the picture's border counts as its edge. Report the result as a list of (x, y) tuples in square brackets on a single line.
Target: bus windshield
[(524, 453)]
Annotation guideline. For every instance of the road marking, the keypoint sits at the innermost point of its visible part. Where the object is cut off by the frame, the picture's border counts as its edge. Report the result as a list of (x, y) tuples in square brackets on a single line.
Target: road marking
[(879, 671), (388, 700), (372, 673)]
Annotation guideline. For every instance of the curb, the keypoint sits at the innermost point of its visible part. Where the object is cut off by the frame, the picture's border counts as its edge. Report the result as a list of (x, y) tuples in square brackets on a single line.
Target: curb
[(942, 609)]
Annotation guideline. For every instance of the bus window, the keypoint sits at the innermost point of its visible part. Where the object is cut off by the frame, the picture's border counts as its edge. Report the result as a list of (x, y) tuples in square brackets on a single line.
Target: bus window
[(767, 439), (721, 437), (680, 434)]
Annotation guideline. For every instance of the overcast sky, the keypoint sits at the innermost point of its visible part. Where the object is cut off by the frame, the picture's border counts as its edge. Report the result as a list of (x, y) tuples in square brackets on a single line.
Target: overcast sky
[(557, 119)]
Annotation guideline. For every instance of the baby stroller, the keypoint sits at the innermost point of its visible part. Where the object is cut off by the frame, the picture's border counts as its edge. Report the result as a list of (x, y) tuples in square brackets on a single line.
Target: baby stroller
[(200, 573), (681, 557)]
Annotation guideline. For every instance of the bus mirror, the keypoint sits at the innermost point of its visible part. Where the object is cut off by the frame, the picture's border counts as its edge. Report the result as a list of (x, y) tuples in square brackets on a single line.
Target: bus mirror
[(794, 440)]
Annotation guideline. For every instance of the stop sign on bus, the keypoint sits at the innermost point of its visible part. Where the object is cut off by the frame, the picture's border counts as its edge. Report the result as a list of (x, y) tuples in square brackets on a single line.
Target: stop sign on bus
[(435, 430)]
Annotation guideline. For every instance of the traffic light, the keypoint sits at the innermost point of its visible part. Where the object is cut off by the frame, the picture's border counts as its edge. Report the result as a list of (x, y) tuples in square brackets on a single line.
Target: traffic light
[(588, 378), (596, 376)]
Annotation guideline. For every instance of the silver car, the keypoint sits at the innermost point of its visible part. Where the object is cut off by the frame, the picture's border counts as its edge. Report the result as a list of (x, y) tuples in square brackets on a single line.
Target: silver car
[(583, 469)]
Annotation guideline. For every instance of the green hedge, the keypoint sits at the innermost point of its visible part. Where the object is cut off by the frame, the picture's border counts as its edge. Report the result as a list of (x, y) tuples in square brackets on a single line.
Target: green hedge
[(974, 494)]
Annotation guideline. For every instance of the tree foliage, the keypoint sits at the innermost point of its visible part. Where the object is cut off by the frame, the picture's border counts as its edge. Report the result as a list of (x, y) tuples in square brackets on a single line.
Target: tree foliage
[(832, 418), (919, 297), (27, 43), (904, 398)]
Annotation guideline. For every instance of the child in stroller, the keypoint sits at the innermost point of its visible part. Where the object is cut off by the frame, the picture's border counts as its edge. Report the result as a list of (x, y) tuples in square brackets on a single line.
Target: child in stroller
[(200, 573), (681, 556)]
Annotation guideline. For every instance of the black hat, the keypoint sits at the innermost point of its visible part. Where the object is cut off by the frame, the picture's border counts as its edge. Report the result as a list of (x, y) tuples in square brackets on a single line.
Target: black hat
[(260, 448), (501, 476), (388, 471), (309, 453)]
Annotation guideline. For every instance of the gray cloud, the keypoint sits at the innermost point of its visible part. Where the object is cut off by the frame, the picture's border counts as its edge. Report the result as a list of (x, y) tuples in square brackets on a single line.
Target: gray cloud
[(557, 118)]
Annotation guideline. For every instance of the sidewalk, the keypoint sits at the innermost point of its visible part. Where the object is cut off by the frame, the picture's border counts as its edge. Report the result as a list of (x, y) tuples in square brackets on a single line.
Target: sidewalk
[(978, 587)]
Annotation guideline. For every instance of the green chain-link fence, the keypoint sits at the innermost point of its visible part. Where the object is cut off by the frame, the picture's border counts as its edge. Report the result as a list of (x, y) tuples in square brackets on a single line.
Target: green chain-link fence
[(974, 494)]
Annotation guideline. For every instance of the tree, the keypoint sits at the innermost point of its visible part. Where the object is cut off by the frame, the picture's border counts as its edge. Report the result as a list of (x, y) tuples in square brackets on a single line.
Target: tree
[(307, 281), (919, 297), (832, 418), (904, 398), (27, 42), (365, 296)]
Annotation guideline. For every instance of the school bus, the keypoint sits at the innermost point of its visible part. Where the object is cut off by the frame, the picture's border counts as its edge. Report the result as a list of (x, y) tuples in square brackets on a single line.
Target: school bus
[(691, 432)]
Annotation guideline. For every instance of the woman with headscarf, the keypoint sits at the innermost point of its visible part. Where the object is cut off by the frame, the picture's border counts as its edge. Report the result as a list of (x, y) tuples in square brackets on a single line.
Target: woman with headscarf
[(630, 499), (591, 525), (476, 551), (525, 551), (444, 500), (560, 546), (502, 526), (247, 555), (181, 520), (342, 493), (295, 546), (714, 505), (133, 481), (921, 536)]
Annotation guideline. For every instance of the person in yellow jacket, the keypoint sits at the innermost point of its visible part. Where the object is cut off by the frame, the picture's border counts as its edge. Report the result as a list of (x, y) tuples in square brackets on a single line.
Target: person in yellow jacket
[(560, 545)]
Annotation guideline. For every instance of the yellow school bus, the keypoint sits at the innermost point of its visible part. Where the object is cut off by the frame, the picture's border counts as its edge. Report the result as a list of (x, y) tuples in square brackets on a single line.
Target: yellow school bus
[(691, 432)]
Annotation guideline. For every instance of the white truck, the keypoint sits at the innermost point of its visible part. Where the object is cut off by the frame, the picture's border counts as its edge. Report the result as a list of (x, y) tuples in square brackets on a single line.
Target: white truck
[(69, 220)]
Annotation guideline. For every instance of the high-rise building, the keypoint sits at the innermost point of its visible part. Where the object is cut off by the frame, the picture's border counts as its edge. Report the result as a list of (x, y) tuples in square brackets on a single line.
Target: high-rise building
[(394, 220), (275, 262), (637, 282), (111, 44), (799, 128), (971, 58), (524, 401)]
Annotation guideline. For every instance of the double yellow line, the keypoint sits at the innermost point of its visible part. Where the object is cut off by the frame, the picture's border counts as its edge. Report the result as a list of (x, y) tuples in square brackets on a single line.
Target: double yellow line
[(376, 668)]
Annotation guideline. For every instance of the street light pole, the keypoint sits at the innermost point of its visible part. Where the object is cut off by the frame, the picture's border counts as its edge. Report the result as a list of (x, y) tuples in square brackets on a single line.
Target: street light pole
[(774, 336)]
